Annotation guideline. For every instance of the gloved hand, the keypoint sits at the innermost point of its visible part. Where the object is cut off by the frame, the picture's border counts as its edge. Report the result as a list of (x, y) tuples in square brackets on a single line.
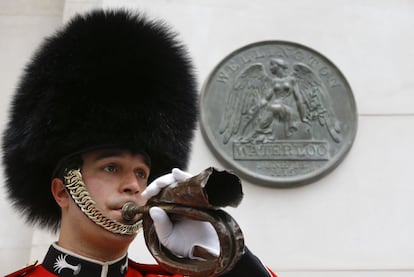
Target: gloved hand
[(172, 178), (186, 238)]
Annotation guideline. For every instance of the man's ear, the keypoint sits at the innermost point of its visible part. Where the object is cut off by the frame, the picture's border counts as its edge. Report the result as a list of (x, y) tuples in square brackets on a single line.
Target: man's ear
[(59, 192)]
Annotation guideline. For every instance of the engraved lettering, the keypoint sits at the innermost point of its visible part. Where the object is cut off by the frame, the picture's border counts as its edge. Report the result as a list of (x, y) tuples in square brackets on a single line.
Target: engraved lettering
[(333, 83), (302, 151), (239, 151), (222, 77), (298, 55), (285, 168), (278, 52), (233, 66), (259, 54), (324, 71), (245, 59), (285, 51), (310, 151), (282, 150), (312, 61), (322, 151)]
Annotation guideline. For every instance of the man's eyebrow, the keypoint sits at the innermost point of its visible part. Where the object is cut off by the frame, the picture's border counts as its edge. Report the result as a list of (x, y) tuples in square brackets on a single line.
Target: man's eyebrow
[(108, 154)]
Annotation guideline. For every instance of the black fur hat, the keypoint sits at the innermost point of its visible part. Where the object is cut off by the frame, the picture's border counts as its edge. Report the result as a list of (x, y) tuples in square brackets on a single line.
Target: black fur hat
[(108, 78)]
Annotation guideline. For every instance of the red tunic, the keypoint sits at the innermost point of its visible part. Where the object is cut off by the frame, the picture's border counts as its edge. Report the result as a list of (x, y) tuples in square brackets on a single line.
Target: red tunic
[(134, 270)]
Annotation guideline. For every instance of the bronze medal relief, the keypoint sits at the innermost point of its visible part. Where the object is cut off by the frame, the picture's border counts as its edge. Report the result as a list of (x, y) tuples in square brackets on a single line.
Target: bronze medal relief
[(278, 113)]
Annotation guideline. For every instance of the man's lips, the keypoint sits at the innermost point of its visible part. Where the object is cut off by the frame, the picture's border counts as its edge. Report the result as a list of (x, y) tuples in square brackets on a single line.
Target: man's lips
[(114, 209), (118, 205), (116, 214)]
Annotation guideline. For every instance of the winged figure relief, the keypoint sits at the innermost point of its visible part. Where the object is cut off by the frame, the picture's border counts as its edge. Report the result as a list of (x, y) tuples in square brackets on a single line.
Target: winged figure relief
[(284, 103)]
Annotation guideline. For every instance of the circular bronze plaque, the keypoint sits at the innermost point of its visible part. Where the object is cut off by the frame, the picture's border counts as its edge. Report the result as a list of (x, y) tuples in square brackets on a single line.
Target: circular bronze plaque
[(278, 113)]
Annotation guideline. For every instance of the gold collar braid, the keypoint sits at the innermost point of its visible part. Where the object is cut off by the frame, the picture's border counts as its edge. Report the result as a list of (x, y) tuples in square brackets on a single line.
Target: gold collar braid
[(79, 193)]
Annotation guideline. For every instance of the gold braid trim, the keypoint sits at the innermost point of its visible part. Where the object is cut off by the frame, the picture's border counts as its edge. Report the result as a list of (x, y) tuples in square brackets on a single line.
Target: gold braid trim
[(79, 193)]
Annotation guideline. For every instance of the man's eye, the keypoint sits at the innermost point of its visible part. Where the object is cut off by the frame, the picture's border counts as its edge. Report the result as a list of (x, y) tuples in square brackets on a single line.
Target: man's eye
[(110, 168), (141, 174)]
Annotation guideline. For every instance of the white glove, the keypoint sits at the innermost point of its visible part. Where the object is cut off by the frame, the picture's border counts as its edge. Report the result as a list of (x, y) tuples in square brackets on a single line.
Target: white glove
[(183, 238), (172, 178)]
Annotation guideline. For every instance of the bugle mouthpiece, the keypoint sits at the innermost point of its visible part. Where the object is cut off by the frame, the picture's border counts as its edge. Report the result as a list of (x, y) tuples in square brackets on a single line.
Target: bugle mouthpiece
[(130, 210)]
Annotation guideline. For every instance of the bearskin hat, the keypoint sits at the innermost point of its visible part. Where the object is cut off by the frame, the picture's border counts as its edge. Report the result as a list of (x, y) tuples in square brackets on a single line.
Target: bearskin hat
[(106, 79)]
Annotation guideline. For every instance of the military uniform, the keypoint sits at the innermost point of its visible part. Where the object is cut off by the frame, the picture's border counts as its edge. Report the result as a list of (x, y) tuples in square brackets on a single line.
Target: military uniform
[(60, 262)]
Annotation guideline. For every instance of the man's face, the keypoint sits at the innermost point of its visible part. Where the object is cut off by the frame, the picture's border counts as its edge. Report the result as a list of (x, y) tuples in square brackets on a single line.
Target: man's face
[(114, 177)]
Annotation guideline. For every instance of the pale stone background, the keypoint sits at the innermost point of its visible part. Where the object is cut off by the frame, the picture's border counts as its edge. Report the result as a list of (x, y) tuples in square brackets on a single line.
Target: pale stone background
[(357, 221)]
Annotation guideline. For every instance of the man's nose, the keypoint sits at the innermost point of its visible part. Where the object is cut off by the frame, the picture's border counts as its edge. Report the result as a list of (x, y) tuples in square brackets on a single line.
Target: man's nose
[(130, 184)]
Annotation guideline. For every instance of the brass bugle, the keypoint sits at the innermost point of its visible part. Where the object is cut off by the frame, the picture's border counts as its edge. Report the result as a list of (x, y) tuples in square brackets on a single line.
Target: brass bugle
[(197, 198), (130, 210)]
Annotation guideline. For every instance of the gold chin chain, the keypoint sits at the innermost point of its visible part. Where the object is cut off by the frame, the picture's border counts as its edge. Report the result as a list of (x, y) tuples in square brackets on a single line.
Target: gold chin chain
[(79, 193)]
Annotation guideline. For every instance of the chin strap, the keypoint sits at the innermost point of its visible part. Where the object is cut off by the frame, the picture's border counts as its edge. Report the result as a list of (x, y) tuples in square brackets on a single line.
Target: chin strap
[(76, 187)]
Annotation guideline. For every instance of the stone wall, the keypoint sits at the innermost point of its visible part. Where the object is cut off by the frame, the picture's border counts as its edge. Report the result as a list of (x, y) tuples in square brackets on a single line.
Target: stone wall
[(356, 221)]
